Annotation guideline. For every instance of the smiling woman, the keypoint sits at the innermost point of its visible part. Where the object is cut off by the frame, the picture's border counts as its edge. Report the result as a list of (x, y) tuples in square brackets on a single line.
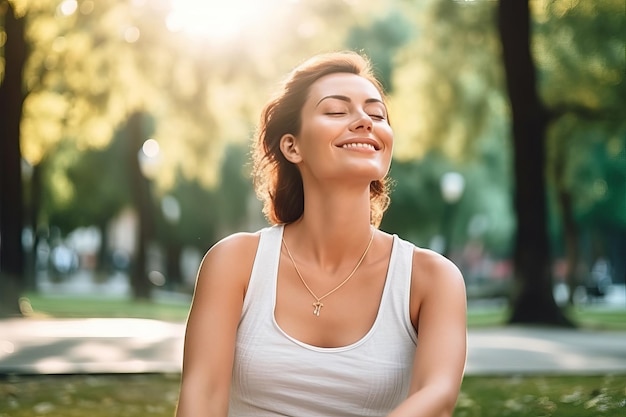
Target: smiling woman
[(215, 19)]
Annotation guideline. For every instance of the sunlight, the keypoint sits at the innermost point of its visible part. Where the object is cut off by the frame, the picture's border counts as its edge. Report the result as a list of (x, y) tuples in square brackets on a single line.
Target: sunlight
[(215, 19)]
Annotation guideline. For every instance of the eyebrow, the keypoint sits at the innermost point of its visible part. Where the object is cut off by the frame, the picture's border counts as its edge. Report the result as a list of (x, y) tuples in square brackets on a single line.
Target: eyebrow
[(348, 100)]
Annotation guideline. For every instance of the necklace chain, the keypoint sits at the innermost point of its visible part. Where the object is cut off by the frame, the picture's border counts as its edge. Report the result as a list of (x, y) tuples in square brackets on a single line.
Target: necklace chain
[(317, 305)]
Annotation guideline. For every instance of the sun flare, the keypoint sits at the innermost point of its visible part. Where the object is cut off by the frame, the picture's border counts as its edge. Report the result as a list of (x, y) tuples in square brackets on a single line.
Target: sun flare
[(215, 19)]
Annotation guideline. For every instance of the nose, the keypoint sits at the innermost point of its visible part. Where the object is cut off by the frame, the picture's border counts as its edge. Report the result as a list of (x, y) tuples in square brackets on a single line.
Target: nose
[(362, 122)]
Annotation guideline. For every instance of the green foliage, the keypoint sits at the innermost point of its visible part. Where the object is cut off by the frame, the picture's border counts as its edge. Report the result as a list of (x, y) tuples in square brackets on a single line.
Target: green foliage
[(380, 41), (440, 60), (580, 60), (197, 223), (579, 52), (96, 184), (416, 202), (483, 213), (579, 49), (447, 85), (91, 67), (235, 189), (589, 162), (208, 214)]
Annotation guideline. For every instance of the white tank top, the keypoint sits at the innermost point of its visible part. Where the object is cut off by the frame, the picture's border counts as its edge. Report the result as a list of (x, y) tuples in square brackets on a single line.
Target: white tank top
[(277, 375)]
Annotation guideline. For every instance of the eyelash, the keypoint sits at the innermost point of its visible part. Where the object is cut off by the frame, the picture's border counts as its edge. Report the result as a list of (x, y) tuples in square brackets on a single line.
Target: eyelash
[(373, 116)]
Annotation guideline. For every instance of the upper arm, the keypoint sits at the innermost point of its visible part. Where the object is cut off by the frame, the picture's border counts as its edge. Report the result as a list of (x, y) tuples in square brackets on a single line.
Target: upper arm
[(212, 323), (439, 309)]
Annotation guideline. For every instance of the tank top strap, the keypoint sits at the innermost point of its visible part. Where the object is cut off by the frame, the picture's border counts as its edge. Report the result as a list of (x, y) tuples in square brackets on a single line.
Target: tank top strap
[(398, 297), (262, 282)]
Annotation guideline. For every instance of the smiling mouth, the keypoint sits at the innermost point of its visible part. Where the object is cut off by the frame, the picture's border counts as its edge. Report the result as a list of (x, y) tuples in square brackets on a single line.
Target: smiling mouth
[(359, 146)]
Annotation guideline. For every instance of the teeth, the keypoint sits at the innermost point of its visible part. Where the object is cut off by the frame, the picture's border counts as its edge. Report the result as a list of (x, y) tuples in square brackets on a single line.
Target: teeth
[(359, 145)]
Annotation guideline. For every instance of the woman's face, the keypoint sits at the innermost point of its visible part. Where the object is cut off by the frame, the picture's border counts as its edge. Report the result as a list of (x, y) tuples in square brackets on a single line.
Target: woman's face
[(345, 132)]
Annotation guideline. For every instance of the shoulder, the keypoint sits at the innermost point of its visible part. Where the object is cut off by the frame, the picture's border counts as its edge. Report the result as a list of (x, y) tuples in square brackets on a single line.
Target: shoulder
[(438, 296), (231, 258), (433, 274), (236, 243)]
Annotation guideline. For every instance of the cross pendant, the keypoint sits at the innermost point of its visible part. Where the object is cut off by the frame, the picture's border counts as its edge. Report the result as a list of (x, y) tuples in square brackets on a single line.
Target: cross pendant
[(318, 306)]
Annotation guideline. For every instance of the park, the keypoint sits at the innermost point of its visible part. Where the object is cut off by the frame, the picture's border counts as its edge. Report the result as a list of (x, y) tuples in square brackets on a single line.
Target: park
[(124, 157)]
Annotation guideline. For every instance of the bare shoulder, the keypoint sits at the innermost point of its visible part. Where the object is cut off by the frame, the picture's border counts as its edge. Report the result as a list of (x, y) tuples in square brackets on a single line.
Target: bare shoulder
[(230, 259), (434, 273), (234, 244)]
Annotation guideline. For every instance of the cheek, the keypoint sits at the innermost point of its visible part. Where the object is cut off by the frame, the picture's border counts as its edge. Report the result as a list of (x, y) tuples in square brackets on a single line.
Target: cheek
[(386, 134)]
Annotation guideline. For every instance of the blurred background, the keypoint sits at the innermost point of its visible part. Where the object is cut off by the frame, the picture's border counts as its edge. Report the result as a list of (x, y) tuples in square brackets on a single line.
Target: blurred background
[(125, 128)]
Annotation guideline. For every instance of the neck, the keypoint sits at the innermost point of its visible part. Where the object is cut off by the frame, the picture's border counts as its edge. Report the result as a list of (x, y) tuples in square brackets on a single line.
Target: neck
[(335, 225), (329, 246), (337, 211)]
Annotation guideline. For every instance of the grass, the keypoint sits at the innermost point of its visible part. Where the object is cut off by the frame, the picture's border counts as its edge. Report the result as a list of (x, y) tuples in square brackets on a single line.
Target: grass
[(600, 319), (537, 396), (89, 395), (586, 317), (156, 394), (37, 305), (84, 307)]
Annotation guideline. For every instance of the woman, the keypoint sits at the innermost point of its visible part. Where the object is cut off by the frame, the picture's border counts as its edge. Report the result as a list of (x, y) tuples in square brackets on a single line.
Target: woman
[(322, 314)]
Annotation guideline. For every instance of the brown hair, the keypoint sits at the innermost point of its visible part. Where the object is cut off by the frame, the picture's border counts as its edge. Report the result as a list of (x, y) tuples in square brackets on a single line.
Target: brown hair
[(277, 181)]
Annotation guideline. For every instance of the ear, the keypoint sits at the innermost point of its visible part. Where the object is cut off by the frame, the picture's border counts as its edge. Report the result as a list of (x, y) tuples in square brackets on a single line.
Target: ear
[(289, 148)]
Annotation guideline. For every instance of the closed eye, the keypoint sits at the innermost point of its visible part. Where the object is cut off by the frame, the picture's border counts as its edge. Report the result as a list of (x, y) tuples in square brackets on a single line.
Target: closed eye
[(377, 116)]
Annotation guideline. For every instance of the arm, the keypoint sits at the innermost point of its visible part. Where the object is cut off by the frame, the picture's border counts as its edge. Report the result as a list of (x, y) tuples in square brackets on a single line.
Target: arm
[(438, 312), (212, 326)]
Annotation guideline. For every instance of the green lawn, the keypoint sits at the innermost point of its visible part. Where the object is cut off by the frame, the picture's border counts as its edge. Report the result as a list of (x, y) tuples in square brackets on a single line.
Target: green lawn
[(86, 307), (585, 317), (155, 395), (76, 307), (556, 396)]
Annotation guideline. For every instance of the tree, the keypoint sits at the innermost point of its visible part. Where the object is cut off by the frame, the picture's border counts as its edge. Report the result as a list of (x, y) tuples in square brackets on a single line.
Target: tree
[(194, 216), (94, 64), (447, 87), (579, 56), (11, 203), (380, 41), (448, 105), (533, 300), (136, 131)]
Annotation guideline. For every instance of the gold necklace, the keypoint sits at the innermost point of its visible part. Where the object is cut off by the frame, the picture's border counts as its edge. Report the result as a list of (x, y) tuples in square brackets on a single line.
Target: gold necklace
[(317, 305)]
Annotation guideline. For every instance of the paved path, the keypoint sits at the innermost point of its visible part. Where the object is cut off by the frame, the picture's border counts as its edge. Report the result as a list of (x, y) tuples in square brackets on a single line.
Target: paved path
[(64, 346)]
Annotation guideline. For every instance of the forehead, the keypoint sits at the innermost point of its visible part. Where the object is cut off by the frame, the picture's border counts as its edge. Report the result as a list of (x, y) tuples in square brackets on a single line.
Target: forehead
[(346, 84)]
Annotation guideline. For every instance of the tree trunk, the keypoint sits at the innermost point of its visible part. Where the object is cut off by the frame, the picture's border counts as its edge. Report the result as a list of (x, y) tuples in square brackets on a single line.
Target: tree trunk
[(36, 190), (174, 252), (143, 205), (11, 203), (533, 301), (572, 241), (571, 235), (104, 263)]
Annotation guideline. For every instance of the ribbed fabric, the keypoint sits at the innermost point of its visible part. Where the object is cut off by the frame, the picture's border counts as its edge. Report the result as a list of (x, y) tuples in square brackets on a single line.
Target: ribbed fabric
[(277, 375)]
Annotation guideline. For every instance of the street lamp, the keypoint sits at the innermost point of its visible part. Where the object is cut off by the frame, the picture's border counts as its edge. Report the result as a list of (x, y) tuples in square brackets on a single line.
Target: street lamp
[(452, 186)]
